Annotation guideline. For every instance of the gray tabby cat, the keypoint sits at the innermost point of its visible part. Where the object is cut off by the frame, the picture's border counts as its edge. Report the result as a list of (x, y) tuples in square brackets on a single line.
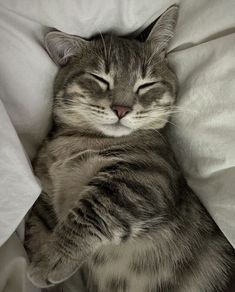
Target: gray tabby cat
[(115, 206)]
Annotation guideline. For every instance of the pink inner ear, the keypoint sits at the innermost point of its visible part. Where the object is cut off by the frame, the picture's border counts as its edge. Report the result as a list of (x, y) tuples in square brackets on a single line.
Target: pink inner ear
[(59, 47), (163, 30), (64, 59)]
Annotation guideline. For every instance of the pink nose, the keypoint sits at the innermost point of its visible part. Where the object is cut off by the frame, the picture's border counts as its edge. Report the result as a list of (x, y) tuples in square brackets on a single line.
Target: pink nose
[(120, 110)]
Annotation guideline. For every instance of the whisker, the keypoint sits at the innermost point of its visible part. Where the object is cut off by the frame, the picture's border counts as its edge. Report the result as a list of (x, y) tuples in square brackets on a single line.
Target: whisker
[(167, 121), (98, 111), (171, 111), (104, 45), (110, 46), (81, 103), (179, 109), (164, 113), (93, 106), (96, 106), (143, 112), (163, 138), (140, 117), (172, 123)]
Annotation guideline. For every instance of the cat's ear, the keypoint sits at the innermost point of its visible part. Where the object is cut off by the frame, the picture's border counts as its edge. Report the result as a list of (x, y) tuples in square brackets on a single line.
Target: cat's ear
[(60, 46), (163, 30)]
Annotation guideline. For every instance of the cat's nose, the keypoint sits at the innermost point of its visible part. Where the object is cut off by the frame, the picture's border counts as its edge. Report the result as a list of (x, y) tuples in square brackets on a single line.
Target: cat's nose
[(120, 110)]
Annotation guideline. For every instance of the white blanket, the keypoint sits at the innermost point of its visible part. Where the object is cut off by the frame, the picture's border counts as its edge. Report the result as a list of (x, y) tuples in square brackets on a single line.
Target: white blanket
[(202, 54)]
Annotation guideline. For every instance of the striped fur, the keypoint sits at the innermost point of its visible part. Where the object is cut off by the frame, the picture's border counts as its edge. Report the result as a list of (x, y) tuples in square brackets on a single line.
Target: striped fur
[(115, 206)]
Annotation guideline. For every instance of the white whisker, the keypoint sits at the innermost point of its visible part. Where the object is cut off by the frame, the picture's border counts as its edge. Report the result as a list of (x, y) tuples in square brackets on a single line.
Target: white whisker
[(104, 45), (178, 109), (160, 135)]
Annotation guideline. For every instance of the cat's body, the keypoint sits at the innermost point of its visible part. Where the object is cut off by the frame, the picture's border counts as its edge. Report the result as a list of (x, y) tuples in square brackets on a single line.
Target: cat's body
[(115, 204), (169, 242)]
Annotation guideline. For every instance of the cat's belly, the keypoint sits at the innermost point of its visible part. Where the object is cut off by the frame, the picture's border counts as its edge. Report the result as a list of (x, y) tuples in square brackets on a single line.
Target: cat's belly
[(130, 267)]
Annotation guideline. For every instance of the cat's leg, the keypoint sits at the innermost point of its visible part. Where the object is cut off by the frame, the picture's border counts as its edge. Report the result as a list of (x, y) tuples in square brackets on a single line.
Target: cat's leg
[(94, 221), (39, 225)]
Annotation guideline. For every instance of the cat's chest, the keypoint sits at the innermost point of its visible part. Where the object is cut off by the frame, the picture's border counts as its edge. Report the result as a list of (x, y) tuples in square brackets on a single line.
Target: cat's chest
[(71, 175)]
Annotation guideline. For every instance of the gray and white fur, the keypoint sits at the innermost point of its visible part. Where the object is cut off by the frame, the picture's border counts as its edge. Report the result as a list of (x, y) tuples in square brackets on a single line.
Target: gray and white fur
[(115, 206)]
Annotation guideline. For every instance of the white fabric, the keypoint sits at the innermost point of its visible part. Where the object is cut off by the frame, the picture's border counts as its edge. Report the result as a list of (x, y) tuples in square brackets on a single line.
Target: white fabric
[(13, 267), (18, 187), (204, 136), (202, 54), (203, 57)]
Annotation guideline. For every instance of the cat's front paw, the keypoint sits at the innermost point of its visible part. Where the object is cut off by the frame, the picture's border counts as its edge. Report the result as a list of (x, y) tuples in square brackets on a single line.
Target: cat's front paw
[(50, 267)]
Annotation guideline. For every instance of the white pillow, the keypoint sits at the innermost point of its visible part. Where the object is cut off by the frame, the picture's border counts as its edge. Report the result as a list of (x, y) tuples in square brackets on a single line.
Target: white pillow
[(203, 56)]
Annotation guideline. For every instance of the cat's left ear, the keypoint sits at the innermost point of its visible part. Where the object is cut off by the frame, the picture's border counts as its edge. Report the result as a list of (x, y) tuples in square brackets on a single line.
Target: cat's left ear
[(61, 46), (163, 30)]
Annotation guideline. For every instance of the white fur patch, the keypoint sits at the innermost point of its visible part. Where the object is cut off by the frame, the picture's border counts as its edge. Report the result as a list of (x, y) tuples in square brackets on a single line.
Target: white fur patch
[(115, 130), (74, 88), (166, 99)]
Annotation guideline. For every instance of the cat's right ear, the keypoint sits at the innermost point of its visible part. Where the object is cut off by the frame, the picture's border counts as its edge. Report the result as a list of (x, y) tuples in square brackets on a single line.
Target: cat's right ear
[(61, 46)]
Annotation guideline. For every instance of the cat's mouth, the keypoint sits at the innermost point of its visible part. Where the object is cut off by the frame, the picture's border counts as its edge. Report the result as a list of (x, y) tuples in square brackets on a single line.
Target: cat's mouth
[(116, 129), (117, 125)]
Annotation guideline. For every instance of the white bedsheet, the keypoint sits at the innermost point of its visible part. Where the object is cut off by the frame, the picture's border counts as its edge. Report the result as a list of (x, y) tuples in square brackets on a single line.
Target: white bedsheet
[(202, 53)]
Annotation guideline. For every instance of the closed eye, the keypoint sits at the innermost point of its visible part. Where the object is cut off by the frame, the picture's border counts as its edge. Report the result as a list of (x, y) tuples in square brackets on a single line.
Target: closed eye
[(145, 87), (104, 83)]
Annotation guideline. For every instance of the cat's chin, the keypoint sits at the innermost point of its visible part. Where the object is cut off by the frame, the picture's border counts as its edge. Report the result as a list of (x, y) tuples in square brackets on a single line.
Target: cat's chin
[(115, 130)]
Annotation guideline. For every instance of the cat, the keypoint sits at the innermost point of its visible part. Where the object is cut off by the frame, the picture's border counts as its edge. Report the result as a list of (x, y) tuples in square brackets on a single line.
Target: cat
[(115, 206)]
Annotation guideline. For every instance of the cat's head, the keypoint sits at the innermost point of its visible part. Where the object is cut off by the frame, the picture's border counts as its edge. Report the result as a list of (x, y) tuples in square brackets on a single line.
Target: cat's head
[(114, 85)]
